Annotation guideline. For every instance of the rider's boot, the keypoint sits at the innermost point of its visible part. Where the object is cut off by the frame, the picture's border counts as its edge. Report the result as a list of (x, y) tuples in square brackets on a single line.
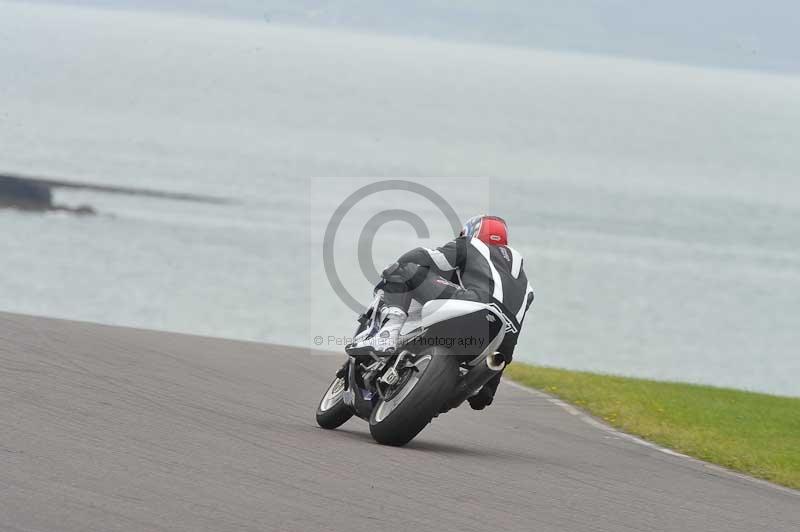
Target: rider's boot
[(485, 395), (385, 340)]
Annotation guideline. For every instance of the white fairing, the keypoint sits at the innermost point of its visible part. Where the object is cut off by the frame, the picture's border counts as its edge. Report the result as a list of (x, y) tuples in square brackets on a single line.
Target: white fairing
[(438, 310), (421, 318), (444, 309)]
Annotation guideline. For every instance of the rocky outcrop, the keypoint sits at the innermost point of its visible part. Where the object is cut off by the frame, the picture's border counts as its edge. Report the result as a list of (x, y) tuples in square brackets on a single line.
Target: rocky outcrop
[(35, 194), (24, 194), (32, 195)]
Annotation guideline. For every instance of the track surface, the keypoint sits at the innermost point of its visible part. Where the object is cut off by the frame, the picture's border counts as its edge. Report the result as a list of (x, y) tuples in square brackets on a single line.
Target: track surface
[(105, 428)]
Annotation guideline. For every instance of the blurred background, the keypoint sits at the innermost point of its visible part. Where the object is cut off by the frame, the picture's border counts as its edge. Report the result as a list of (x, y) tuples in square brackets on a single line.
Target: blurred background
[(645, 156)]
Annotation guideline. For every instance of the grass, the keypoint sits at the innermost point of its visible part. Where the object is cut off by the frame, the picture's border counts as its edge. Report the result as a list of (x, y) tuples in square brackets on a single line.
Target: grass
[(754, 433)]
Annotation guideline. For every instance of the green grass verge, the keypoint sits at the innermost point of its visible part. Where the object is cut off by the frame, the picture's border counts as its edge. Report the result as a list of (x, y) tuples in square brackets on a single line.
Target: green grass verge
[(753, 433)]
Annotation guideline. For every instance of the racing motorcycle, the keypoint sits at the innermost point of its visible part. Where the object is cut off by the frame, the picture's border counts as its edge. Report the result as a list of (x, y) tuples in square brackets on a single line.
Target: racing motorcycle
[(447, 351)]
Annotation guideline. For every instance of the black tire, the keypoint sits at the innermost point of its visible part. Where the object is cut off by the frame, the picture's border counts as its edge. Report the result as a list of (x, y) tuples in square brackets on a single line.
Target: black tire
[(331, 415), (434, 387)]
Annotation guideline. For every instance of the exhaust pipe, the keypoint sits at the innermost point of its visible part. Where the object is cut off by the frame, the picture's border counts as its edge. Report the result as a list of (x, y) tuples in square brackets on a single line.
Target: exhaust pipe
[(477, 377), (496, 362)]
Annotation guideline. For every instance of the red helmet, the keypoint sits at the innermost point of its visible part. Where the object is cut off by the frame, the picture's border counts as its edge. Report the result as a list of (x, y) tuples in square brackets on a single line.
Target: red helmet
[(491, 230)]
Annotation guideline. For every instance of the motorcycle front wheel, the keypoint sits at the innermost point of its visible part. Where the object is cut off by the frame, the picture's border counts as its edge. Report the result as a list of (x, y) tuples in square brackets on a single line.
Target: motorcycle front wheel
[(332, 412)]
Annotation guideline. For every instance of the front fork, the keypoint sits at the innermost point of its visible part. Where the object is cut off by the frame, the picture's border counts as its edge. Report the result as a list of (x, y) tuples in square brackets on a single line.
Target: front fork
[(357, 398)]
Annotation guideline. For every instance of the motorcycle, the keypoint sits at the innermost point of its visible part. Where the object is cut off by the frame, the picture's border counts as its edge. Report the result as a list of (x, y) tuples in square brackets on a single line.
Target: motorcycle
[(447, 351)]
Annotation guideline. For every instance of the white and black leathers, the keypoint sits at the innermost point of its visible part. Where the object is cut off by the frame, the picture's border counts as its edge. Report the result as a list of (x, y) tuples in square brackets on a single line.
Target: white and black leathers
[(476, 271)]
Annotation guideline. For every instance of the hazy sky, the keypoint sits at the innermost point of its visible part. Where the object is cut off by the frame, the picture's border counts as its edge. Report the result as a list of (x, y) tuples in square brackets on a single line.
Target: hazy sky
[(726, 33)]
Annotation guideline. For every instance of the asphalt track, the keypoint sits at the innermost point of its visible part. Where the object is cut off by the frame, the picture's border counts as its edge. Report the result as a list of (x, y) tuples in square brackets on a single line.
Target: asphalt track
[(105, 428)]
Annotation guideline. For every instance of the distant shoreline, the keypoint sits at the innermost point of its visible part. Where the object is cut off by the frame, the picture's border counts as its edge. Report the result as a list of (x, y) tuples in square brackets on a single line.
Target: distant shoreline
[(36, 194)]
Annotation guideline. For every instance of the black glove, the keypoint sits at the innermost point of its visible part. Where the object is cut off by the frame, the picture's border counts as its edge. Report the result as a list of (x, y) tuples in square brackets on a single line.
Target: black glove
[(380, 286)]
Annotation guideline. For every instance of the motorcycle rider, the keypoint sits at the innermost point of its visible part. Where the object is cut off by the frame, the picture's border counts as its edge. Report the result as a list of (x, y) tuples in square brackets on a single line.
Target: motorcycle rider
[(478, 265)]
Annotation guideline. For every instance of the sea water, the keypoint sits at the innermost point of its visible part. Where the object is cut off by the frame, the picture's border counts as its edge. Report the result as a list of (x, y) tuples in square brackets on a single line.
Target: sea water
[(656, 204)]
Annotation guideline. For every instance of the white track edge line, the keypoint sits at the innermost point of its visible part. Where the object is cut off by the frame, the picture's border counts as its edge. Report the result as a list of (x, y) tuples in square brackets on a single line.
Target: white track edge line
[(611, 430)]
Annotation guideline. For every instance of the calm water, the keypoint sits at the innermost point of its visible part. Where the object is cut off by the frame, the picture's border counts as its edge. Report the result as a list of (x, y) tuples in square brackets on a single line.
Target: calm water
[(657, 205)]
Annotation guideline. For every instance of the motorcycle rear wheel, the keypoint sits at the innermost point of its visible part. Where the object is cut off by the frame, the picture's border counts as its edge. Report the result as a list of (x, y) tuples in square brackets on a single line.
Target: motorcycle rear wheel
[(416, 400)]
